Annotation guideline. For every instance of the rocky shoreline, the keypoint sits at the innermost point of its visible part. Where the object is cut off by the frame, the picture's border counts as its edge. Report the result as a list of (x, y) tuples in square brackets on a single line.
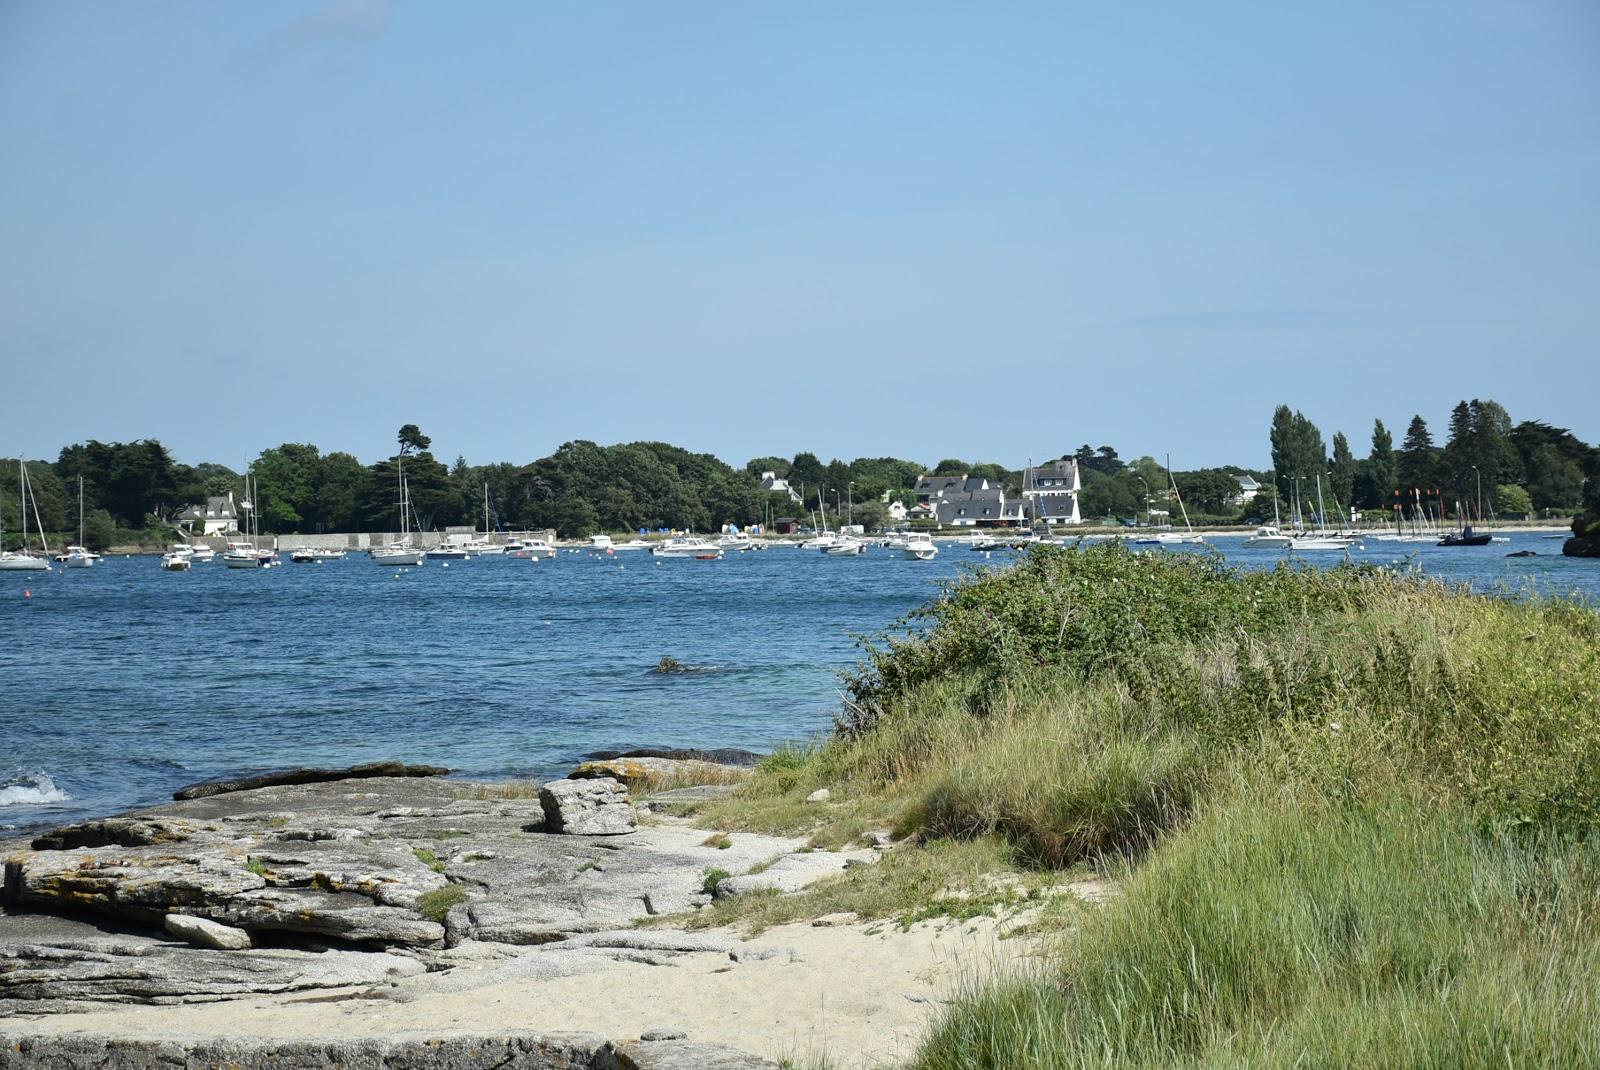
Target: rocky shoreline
[(366, 887)]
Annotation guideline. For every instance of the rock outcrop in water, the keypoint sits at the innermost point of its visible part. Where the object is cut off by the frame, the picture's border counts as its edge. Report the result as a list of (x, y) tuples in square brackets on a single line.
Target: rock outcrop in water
[(306, 776)]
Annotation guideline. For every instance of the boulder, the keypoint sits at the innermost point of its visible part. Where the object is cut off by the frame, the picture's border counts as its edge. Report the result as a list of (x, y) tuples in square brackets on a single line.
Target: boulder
[(203, 933), (597, 807), (306, 776), (642, 772), (821, 795)]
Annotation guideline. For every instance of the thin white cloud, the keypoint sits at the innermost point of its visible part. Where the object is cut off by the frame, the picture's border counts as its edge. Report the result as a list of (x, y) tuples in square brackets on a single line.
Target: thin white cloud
[(337, 26)]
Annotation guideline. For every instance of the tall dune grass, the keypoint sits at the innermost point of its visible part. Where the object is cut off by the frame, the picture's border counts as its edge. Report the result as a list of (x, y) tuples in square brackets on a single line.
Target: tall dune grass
[(1355, 810)]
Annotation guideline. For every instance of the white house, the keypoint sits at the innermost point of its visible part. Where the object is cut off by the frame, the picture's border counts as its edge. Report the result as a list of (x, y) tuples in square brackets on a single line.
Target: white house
[(1052, 490), (1248, 489), (218, 516), (773, 485)]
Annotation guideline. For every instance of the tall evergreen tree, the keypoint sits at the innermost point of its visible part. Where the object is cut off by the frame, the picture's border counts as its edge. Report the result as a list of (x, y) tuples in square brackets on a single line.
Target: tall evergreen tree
[(1417, 464), (1298, 450), (1381, 470), (1342, 473)]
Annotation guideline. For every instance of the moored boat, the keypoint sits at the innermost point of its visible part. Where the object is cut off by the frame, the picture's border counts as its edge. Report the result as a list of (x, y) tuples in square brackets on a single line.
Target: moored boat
[(23, 560), (1466, 537), (401, 553), (1268, 538), (687, 546), (305, 555), (919, 546)]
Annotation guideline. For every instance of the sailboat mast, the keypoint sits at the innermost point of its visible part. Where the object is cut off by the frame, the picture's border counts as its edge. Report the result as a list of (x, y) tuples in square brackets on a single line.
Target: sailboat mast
[(1178, 495), (1322, 510)]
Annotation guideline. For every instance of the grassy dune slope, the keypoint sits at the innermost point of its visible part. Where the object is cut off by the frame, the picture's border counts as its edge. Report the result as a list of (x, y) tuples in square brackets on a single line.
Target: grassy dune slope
[(1354, 813)]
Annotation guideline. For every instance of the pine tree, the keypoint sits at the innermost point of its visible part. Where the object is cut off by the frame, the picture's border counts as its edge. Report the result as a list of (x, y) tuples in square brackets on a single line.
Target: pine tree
[(1381, 471), (1417, 462), (1342, 474)]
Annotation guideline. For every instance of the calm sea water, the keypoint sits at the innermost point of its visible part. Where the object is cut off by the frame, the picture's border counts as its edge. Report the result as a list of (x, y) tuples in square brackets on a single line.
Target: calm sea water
[(123, 682)]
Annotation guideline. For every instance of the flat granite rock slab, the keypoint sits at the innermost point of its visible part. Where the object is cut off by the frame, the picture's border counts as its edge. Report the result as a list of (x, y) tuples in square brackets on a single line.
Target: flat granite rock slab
[(323, 877), (517, 1051), (48, 964)]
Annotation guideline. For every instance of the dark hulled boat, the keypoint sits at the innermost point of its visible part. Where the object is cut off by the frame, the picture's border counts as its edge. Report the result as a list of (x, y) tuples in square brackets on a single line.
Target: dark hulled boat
[(1466, 537)]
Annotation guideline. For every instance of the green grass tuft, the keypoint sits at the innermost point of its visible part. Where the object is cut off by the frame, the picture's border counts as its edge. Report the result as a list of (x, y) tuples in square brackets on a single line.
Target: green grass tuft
[(708, 883), (436, 904)]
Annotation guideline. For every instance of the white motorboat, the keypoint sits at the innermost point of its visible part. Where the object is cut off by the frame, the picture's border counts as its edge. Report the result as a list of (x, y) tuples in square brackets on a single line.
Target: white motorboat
[(308, 555), (919, 545), (532, 551), (1268, 538), (735, 542), (22, 560), (200, 553), (845, 546), (631, 545), (821, 542), (687, 546), (173, 561), (401, 553), (1302, 543), (450, 551), (78, 557), (396, 555), (600, 544)]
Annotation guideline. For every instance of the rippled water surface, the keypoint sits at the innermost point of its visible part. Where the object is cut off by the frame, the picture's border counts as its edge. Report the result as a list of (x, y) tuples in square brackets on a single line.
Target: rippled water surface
[(122, 682)]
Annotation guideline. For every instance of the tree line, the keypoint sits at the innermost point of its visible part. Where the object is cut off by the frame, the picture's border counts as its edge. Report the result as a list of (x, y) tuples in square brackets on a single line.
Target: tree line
[(584, 487), (1513, 469)]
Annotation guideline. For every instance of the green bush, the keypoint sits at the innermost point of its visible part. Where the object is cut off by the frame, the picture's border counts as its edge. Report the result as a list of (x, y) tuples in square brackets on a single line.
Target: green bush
[(1088, 610)]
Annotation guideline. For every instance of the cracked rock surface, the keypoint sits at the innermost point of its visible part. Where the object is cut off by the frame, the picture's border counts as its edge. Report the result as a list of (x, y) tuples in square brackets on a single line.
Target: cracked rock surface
[(335, 884)]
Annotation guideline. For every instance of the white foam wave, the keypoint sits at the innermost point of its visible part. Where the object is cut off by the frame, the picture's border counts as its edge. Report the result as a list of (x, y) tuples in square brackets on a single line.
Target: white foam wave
[(33, 789)]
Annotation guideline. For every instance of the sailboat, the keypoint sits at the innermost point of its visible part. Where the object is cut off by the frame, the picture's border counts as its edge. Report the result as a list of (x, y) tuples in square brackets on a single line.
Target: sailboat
[(247, 552), (827, 538), (402, 552), (1321, 539), (22, 560), (483, 546), (77, 556), (1173, 538)]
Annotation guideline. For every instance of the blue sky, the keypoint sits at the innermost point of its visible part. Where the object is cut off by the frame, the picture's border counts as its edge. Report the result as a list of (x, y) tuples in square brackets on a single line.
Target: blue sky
[(980, 230)]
